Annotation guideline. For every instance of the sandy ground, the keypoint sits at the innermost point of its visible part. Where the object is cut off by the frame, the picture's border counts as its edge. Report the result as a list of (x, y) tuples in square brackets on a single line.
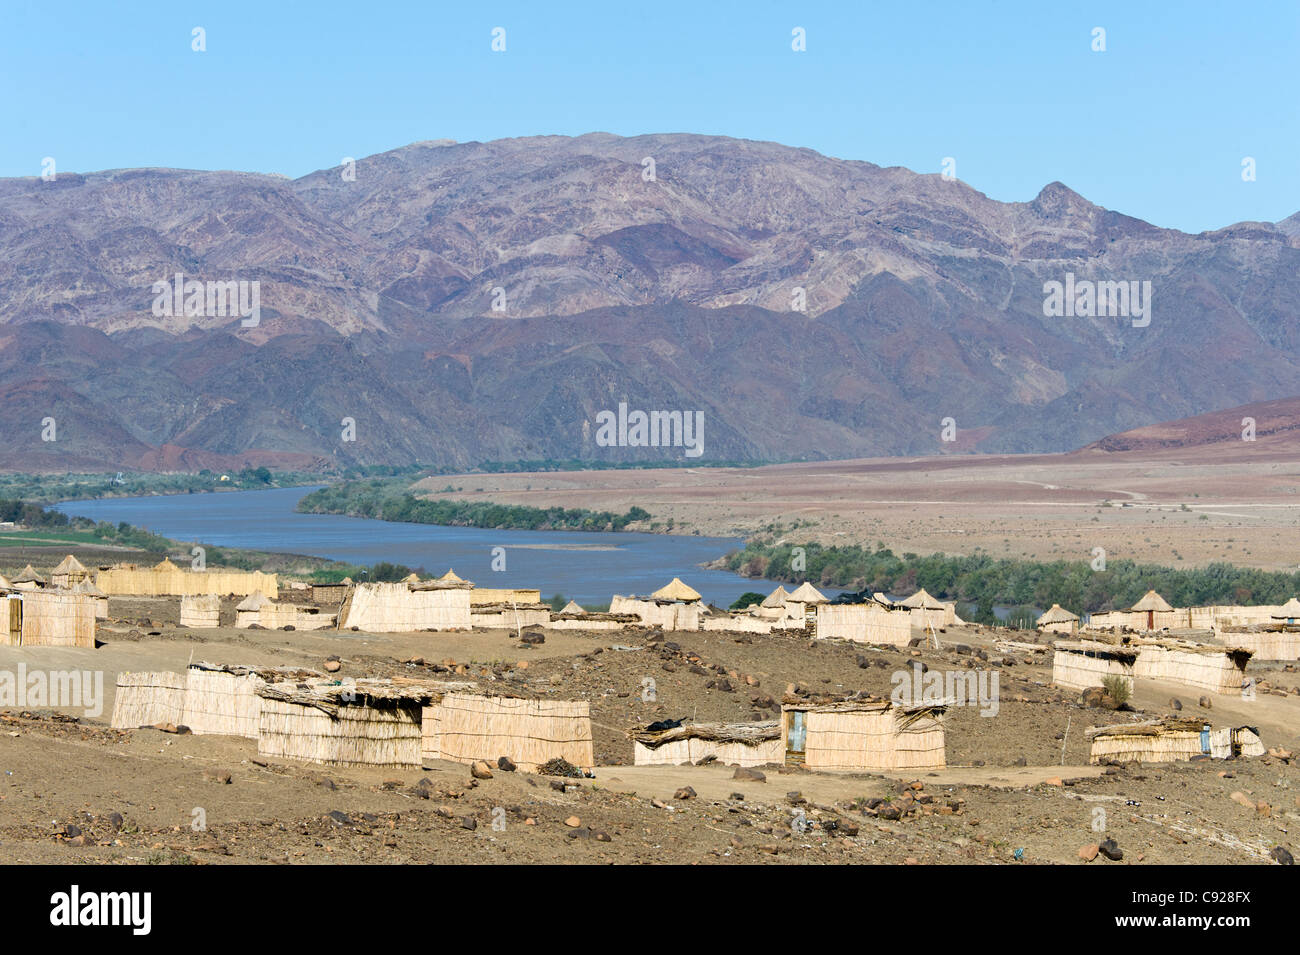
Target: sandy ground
[(1170, 507), (1015, 780)]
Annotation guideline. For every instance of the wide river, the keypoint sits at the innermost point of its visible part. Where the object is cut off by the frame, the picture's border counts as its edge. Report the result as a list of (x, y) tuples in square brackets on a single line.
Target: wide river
[(587, 567)]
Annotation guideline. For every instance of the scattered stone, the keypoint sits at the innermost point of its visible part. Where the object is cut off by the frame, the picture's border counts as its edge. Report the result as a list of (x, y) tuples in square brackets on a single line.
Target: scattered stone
[(1242, 799), (480, 770), (1175, 704), (468, 822), (505, 764), (219, 776), (1205, 703), (340, 818), (333, 666), (686, 792), (573, 822), (1089, 852), (749, 773), (1281, 856)]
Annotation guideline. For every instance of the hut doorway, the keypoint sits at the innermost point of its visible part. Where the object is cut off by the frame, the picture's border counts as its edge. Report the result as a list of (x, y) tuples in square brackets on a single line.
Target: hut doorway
[(796, 738)]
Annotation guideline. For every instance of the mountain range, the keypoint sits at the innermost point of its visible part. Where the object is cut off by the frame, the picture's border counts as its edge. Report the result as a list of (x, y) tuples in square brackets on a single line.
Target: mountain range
[(457, 303)]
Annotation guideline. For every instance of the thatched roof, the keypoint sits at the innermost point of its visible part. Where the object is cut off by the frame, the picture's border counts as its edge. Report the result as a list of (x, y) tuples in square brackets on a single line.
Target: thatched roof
[(1155, 727), (330, 696), (1151, 601), (450, 577), (922, 600), (676, 590), (832, 704), (29, 576), (267, 673), (776, 598), (87, 586), (165, 564), (411, 578), (1095, 648), (254, 601), (5, 583), (751, 734), (69, 565), (1289, 609), (882, 598), (1057, 614), (572, 607), (806, 593)]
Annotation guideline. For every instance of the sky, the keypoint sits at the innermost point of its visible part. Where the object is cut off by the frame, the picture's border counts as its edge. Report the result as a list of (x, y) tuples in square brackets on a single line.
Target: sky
[(1157, 125)]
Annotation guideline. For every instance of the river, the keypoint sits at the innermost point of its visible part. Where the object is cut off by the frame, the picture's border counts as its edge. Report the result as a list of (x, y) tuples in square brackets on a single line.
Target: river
[(587, 567)]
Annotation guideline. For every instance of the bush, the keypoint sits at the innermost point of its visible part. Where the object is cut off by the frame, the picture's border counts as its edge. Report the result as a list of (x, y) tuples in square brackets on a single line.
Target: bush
[(1116, 688)]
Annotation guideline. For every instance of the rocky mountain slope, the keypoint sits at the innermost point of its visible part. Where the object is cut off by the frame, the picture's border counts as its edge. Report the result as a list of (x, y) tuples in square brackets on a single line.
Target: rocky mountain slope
[(484, 301)]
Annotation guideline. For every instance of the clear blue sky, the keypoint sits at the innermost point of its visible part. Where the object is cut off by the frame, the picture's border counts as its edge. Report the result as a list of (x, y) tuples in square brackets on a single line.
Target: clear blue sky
[(1156, 126)]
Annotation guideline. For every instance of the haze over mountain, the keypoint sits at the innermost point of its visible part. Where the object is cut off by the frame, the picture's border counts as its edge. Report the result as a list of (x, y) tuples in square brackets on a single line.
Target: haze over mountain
[(924, 301)]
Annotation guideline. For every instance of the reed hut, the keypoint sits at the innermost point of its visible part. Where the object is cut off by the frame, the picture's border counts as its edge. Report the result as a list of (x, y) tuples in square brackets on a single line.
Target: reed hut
[(667, 614), (1151, 604), (29, 579), (1205, 667), (87, 588), (202, 612), (257, 609), (1170, 740), (862, 735), (405, 608), (1288, 613), (145, 699), (49, 618), (572, 607), (165, 579), (69, 572), (222, 699), (366, 723), (1058, 620), (6, 583), (1266, 642), (465, 727), (1079, 664), (872, 623), (928, 612), (733, 744), (509, 616)]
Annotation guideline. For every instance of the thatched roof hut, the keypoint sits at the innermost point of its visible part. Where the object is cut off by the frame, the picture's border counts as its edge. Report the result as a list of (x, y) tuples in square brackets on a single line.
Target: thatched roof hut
[(676, 590), (69, 572), (1058, 620), (922, 600), (1151, 601), (572, 607), (1289, 611), (733, 744), (806, 593), (862, 735), (29, 579), (1171, 739), (366, 723), (87, 588), (776, 598)]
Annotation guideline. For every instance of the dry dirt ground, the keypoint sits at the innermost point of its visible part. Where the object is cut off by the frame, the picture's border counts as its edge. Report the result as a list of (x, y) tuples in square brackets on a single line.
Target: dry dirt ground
[(1016, 780), (1186, 508)]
